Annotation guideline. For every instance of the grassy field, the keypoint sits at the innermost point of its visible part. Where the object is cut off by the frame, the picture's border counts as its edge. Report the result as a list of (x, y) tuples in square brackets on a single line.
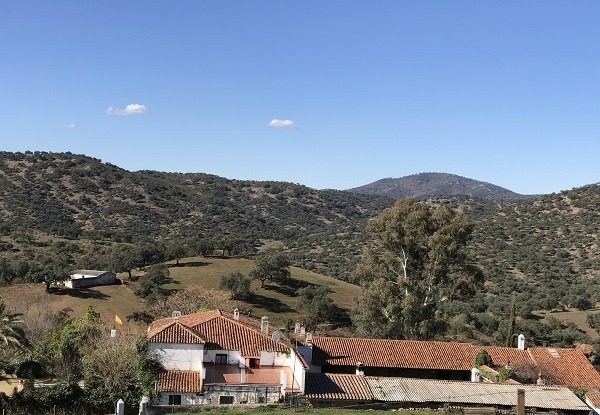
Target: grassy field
[(573, 316), (278, 302)]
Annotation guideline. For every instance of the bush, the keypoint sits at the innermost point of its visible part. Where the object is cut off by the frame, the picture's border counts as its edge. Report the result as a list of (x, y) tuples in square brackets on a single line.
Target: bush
[(30, 369), (483, 358)]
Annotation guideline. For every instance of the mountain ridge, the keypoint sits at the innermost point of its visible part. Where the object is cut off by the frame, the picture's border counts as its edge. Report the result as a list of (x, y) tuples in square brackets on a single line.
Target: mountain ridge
[(433, 184)]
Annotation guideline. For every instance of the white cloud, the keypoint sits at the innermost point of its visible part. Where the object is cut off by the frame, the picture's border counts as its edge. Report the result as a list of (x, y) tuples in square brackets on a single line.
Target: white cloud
[(275, 123), (128, 110), (71, 125)]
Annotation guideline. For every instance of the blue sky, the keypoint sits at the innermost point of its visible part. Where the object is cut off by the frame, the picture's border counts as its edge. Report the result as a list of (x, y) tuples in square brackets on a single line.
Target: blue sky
[(506, 91)]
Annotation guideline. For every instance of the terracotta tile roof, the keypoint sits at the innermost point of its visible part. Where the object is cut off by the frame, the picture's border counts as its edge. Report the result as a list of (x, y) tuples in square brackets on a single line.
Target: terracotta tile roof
[(339, 351), (176, 332), (567, 367), (594, 398), (221, 333), (179, 381), (337, 386), (507, 356)]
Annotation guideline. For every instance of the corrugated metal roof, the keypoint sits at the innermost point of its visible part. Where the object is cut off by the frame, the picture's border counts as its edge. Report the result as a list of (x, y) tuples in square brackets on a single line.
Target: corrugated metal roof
[(337, 387), (424, 390)]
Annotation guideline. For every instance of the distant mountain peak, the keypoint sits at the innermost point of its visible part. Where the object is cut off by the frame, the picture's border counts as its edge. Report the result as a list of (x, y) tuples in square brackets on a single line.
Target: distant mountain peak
[(423, 185)]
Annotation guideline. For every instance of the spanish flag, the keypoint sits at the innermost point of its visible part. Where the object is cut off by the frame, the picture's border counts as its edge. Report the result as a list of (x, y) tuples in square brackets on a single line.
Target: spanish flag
[(118, 320)]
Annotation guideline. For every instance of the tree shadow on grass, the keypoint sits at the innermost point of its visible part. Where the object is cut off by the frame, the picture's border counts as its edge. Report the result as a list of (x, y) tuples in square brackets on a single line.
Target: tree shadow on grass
[(272, 304), (84, 293), (287, 287), (190, 264)]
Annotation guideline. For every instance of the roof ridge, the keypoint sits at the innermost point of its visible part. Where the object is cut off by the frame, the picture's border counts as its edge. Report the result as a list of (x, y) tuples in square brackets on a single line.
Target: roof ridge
[(246, 326)]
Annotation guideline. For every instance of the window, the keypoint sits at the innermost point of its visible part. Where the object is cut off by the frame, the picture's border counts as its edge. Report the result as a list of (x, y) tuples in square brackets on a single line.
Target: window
[(174, 399), (221, 359), (253, 363), (262, 399), (225, 400)]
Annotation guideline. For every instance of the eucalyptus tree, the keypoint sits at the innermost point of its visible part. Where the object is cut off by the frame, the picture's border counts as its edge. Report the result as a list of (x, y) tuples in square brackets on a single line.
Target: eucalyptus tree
[(415, 263)]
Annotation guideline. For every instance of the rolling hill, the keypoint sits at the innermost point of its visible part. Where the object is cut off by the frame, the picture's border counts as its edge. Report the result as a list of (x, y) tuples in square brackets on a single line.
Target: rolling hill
[(425, 185), (544, 250)]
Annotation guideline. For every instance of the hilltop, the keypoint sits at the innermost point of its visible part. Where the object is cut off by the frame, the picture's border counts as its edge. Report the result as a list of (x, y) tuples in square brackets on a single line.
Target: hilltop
[(424, 185)]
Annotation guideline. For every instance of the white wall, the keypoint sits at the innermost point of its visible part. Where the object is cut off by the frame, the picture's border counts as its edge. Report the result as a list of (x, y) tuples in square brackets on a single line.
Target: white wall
[(273, 359), (233, 356), (306, 352), (186, 398), (178, 356)]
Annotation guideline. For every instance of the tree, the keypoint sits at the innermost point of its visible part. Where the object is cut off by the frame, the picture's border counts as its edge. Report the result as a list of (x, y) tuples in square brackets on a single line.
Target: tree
[(237, 284), (176, 250), (415, 263), (150, 285), (510, 332), (12, 334), (50, 270), (118, 368), (315, 305), (13, 269), (123, 260), (193, 299), (272, 266), (204, 246)]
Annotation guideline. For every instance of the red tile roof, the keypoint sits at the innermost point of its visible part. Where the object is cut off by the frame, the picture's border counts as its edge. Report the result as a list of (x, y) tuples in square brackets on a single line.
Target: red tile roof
[(337, 386), (221, 333), (183, 381), (339, 351), (568, 367), (176, 332), (594, 398)]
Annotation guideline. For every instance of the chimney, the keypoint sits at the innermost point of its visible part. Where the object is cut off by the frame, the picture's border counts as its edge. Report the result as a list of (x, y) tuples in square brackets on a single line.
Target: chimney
[(113, 333), (539, 380), (264, 325), (236, 314), (309, 339), (360, 369), (521, 342), (175, 315), (297, 327), (475, 375)]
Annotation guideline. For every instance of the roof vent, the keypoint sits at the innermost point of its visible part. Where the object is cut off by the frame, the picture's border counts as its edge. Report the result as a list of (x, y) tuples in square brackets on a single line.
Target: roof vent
[(236, 314), (176, 315), (264, 325)]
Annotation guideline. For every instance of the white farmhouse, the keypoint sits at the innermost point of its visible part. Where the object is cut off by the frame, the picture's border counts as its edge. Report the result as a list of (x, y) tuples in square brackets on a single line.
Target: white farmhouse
[(210, 358), (83, 278)]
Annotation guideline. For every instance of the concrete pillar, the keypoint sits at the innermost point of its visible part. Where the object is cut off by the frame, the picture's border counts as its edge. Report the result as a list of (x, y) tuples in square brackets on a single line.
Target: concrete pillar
[(120, 407), (520, 401), (144, 405)]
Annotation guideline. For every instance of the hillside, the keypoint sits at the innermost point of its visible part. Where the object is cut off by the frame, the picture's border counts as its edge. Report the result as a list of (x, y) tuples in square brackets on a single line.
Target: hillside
[(425, 185), (544, 250), (76, 196), (280, 303)]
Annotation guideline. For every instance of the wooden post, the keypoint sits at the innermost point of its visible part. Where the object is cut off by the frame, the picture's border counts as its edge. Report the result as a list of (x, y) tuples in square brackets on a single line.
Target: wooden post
[(520, 401)]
